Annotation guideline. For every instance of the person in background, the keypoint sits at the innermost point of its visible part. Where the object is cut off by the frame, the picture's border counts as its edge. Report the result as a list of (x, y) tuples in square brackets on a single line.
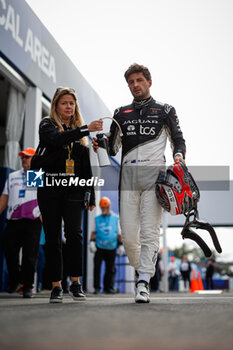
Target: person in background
[(185, 270), (23, 227), (104, 242), (173, 274), (63, 150), (210, 268)]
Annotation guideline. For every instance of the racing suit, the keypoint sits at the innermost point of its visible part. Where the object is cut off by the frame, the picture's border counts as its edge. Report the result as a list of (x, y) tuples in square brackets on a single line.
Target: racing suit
[(145, 126)]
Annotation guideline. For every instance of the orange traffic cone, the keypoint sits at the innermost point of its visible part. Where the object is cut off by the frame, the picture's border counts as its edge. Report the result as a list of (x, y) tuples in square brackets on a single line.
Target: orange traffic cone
[(199, 281), (194, 283)]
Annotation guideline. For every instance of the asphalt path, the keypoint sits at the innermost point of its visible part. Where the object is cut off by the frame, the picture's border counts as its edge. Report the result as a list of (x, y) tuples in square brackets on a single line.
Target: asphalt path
[(170, 321)]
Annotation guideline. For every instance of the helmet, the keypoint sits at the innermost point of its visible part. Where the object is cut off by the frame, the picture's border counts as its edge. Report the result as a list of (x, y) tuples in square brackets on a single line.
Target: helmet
[(178, 193), (176, 190), (105, 202)]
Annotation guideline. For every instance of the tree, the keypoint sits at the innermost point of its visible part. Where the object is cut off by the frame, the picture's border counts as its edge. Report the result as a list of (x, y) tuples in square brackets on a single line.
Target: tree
[(194, 254)]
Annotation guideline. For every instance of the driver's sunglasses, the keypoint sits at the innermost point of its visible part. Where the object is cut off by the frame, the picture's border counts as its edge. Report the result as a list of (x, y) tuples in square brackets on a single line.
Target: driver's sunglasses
[(24, 156)]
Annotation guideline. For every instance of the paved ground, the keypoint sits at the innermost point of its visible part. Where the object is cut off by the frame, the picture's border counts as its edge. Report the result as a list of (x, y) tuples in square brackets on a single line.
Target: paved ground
[(170, 321)]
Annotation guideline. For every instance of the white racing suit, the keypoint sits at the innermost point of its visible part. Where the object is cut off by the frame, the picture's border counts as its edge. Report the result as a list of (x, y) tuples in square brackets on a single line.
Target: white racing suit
[(145, 126)]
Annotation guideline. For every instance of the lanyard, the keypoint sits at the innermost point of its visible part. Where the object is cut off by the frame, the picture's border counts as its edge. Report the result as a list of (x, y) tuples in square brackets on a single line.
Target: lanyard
[(70, 150), (71, 145)]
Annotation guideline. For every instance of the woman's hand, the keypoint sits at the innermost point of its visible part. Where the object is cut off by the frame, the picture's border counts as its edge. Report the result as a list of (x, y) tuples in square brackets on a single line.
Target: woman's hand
[(90, 208), (96, 125)]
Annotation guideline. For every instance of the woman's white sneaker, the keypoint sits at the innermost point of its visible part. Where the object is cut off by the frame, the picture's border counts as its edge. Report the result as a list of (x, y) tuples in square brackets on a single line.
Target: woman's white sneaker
[(142, 294)]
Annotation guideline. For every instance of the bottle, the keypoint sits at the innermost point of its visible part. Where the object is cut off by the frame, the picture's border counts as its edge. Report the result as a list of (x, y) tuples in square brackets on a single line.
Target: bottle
[(103, 155)]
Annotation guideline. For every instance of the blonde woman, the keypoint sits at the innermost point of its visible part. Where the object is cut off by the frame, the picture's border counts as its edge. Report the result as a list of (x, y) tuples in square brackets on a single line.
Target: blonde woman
[(63, 149)]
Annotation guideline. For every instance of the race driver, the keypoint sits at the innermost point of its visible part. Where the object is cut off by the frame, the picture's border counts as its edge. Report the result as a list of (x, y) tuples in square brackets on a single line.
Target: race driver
[(145, 125)]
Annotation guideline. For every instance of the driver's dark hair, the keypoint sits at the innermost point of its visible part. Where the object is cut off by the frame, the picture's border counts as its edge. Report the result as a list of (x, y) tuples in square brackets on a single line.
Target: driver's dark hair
[(137, 68)]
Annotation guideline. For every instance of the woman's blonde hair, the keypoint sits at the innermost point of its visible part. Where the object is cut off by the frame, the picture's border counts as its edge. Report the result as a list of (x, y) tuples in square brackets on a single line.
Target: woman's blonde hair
[(76, 120)]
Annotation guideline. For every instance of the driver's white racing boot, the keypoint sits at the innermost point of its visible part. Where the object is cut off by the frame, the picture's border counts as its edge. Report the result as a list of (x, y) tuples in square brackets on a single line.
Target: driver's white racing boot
[(142, 294)]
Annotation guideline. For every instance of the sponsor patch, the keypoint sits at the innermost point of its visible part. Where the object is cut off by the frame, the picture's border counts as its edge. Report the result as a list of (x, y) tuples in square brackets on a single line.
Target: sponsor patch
[(147, 130), (140, 121), (131, 130), (155, 111), (130, 127), (153, 116), (128, 111)]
